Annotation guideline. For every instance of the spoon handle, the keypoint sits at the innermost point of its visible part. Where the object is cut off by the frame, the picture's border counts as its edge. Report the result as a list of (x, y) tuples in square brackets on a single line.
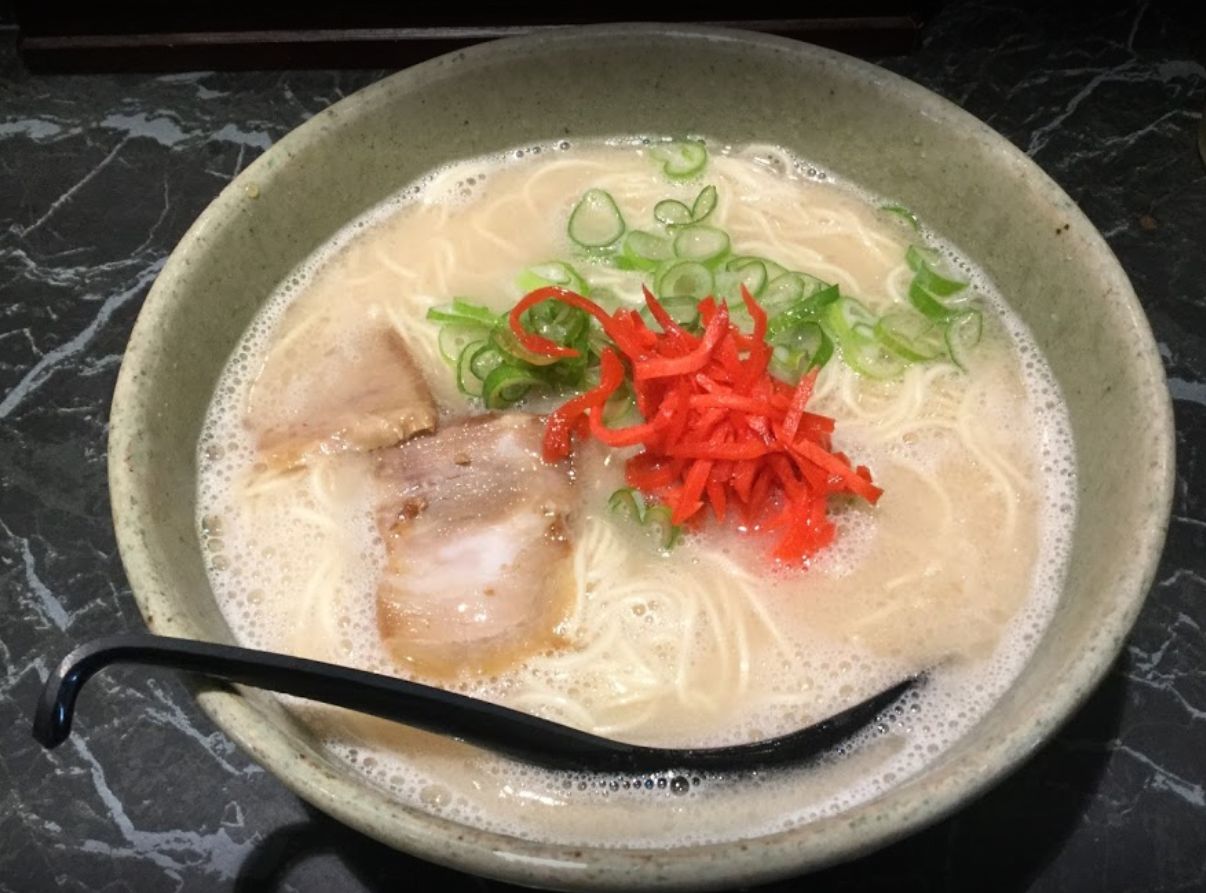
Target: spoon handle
[(424, 707), (501, 729)]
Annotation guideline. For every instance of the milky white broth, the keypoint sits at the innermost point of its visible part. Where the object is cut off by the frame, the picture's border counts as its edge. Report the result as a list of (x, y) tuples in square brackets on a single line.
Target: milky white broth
[(956, 571)]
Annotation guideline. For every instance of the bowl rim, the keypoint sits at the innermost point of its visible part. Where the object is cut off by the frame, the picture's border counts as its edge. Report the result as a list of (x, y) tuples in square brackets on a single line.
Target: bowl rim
[(898, 812)]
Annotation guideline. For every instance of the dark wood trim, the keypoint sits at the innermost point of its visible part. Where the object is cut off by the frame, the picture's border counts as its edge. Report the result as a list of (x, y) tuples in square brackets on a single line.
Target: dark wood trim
[(388, 47)]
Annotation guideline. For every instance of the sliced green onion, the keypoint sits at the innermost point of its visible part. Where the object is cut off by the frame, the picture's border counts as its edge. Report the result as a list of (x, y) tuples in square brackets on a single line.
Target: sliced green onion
[(937, 285), (455, 337), (570, 372), (701, 243), (646, 250), (628, 501), (964, 333), (620, 409), (867, 356), (913, 336), (788, 288), (813, 285), (671, 212), (921, 262), (485, 360), (466, 381), (506, 385), (556, 321), (904, 214), (773, 270), (555, 272), (752, 276), (605, 296), (917, 257), (681, 158), (928, 305), (824, 350), (816, 306), (847, 317), (800, 349), (853, 328), (444, 315), (683, 309), (804, 309), (783, 291), (928, 289), (684, 278), (469, 310), (704, 205), (657, 519), (461, 311), (786, 364), (596, 221), (508, 347)]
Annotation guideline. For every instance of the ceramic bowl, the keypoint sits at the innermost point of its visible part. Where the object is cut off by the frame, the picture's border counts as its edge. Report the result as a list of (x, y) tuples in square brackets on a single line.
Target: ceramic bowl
[(865, 124)]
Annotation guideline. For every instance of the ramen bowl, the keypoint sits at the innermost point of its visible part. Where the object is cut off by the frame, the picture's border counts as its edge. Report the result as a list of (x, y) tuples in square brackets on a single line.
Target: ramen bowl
[(868, 126)]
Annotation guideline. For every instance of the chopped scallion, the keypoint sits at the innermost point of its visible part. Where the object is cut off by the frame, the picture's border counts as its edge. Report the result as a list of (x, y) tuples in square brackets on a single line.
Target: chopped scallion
[(911, 335), (701, 243), (964, 333), (646, 250), (671, 212), (631, 502), (596, 221), (681, 159), (704, 205), (904, 214), (683, 278), (506, 385), (455, 337), (554, 272)]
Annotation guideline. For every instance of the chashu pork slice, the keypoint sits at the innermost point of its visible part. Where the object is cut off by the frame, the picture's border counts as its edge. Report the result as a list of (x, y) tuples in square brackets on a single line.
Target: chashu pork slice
[(322, 391), (479, 571)]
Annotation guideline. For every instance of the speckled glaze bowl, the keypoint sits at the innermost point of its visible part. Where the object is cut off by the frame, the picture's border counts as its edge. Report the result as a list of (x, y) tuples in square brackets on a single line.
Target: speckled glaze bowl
[(865, 124)]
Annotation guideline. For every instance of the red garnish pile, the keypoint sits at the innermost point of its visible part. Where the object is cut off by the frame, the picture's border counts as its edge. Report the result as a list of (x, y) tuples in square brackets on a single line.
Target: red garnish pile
[(719, 428)]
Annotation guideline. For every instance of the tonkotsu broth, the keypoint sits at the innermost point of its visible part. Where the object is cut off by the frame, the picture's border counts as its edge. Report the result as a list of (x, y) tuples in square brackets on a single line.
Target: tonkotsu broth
[(955, 571)]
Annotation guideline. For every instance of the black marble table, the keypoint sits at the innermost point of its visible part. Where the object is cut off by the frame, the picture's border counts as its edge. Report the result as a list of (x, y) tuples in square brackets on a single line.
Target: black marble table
[(100, 176)]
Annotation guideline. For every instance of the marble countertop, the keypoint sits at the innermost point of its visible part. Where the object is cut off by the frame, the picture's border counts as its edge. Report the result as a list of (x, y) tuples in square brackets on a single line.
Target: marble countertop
[(101, 175)]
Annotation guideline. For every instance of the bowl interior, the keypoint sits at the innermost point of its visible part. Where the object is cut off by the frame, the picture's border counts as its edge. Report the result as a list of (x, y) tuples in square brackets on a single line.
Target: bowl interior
[(864, 124)]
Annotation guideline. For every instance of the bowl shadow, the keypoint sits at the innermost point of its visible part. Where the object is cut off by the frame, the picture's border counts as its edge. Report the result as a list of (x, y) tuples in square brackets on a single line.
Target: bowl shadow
[(1001, 841), (1004, 839)]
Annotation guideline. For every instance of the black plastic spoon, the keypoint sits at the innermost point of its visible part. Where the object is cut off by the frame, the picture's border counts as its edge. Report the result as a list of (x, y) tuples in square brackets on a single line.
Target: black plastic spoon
[(511, 732)]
